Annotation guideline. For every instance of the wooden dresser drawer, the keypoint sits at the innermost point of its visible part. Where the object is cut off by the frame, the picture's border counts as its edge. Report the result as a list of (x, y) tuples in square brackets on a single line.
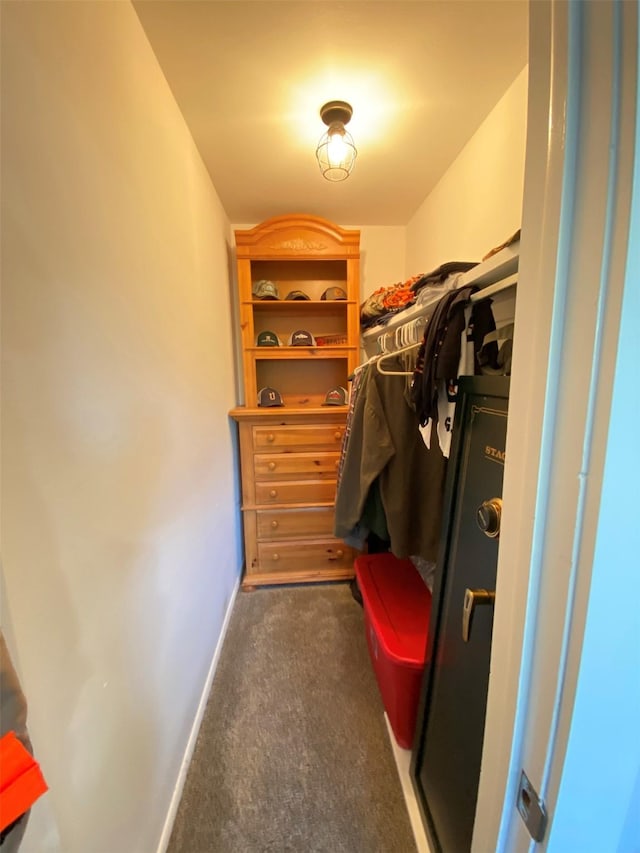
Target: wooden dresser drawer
[(298, 437), (312, 523), (296, 466), (300, 557), (289, 466), (306, 492)]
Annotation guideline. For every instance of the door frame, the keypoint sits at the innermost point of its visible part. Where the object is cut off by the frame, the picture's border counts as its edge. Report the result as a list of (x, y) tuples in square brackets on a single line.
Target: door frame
[(573, 262)]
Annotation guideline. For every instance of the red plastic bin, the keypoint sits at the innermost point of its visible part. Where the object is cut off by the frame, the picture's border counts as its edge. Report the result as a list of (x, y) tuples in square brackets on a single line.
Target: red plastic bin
[(397, 607)]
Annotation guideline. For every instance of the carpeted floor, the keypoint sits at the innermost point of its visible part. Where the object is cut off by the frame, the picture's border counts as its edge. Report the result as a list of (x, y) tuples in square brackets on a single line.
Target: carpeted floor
[(293, 753)]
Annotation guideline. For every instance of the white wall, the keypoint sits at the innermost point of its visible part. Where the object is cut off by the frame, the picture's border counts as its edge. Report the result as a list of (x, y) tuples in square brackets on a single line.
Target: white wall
[(382, 257), (120, 525), (477, 203)]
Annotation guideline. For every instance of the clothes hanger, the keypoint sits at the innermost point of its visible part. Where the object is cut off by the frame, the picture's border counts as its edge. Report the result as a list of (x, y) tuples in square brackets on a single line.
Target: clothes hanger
[(371, 360), (396, 352), (406, 340)]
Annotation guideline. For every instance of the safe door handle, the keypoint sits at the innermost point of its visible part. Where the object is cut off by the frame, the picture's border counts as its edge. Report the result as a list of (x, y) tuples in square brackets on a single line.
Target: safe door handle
[(472, 599)]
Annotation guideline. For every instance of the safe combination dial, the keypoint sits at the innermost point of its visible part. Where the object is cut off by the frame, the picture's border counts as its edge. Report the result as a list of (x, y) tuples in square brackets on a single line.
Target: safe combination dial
[(488, 517)]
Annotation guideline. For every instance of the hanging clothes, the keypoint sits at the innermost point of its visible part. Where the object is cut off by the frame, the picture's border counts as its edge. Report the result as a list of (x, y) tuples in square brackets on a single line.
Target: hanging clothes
[(439, 355), (385, 451), (356, 381), (451, 344)]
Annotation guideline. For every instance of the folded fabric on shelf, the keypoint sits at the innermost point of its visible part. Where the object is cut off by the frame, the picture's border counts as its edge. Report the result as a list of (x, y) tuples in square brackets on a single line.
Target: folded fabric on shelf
[(386, 299), (381, 319), (438, 275)]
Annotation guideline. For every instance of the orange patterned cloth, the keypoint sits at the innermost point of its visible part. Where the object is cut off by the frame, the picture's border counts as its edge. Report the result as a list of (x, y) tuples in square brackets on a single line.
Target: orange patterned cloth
[(390, 298)]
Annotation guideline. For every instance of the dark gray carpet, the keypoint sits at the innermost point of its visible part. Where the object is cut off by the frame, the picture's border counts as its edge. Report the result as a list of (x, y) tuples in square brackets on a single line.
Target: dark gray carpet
[(293, 753)]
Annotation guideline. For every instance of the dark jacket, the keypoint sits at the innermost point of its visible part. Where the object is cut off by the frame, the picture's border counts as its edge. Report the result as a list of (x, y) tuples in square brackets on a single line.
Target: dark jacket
[(439, 354), (385, 446)]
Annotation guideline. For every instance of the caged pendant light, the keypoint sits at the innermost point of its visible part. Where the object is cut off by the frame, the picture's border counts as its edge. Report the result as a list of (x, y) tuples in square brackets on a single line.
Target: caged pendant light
[(336, 151)]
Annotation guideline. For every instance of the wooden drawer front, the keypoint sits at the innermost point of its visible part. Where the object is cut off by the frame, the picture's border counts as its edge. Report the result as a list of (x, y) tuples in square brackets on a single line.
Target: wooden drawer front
[(296, 466), (296, 438), (302, 556), (314, 523), (309, 492)]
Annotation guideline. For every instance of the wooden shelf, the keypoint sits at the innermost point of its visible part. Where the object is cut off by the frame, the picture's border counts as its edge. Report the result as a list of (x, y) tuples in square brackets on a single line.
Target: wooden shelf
[(290, 454), (304, 353), (286, 412), (303, 304), (302, 576)]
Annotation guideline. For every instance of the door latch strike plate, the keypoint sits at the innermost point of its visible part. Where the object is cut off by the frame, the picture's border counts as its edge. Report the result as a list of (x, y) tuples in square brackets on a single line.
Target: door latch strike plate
[(532, 809)]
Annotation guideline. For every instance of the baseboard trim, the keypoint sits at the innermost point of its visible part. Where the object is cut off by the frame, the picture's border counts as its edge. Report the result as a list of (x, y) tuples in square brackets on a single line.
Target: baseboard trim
[(403, 763), (195, 728)]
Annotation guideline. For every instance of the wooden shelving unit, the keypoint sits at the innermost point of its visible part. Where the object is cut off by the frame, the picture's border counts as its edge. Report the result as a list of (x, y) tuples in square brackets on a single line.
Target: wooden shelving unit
[(290, 455)]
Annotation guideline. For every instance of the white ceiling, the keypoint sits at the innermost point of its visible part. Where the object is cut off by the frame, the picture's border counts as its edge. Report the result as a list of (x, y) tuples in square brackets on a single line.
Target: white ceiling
[(250, 78)]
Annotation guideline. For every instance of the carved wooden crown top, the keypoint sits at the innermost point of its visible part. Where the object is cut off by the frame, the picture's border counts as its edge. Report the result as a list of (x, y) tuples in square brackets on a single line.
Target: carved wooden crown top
[(298, 235)]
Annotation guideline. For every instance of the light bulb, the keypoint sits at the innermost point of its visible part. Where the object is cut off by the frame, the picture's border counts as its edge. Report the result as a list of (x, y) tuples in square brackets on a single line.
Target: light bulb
[(336, 152), (336, 148)]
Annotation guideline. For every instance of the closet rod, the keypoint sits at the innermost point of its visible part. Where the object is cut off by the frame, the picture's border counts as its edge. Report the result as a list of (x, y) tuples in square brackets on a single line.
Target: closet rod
[(492, 289)]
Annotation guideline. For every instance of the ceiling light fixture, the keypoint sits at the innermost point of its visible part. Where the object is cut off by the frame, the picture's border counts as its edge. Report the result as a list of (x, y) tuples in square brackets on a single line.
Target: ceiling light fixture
[(336, 152)]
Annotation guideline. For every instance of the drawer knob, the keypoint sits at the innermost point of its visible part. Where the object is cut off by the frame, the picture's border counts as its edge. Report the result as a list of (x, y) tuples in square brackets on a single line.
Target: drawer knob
[(272, 466), (275, 557), (273, 493), (274, 524), (337, 435), (337, 463), (271, 437), (339, 553)]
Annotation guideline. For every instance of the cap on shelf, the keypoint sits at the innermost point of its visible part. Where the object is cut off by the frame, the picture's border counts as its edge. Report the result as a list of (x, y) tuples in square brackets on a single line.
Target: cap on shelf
[(297, 294), (269, 397), (264, 289), (268, 339), (337, 396), (301, 338), (334, 293)]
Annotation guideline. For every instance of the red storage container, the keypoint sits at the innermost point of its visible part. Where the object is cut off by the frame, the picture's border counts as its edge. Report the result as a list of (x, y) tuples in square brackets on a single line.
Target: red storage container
[(397, 607)]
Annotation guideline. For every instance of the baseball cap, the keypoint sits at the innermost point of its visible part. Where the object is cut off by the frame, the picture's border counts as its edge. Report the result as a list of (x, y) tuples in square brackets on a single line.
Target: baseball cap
[(264, 289), (337, 396), (301, 338), (334, 293), (268, 339), (297, 294), (269, 397)]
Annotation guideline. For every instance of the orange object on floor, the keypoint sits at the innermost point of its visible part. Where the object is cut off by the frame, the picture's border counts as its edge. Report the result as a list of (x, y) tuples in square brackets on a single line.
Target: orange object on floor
[(21, 780)]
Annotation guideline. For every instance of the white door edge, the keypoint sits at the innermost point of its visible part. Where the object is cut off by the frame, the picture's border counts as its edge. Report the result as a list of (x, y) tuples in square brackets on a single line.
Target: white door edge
[(575, 221)]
